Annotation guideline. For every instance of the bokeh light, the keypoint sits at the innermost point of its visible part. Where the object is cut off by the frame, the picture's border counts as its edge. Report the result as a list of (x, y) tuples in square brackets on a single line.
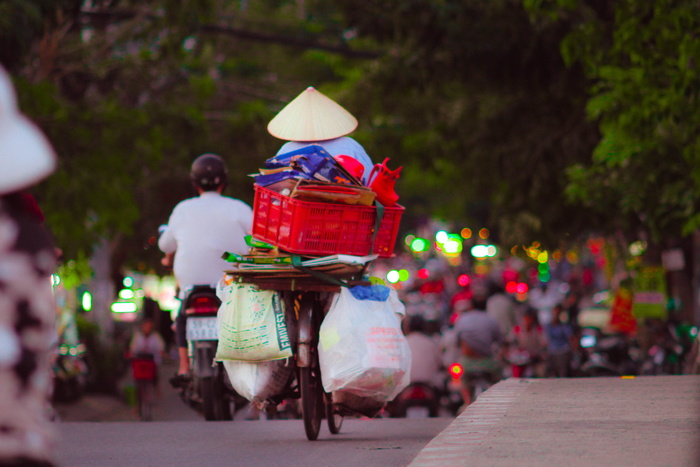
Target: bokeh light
[(393, 276)]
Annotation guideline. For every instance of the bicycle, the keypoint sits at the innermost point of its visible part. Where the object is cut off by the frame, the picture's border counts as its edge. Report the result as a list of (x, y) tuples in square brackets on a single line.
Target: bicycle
[(143, 368), (309, 299)]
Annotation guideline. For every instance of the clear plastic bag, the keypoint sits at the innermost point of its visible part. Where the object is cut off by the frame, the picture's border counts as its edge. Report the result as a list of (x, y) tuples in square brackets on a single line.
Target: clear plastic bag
[(362, 349)]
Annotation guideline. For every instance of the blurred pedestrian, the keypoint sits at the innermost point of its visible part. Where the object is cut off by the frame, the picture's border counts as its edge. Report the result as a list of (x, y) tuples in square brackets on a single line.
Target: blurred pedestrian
[(501, 307), (451, 353), (479, 338), (543, 298), (27, 308), (559, 344), (572, 308), (426, 356), (529, 341)]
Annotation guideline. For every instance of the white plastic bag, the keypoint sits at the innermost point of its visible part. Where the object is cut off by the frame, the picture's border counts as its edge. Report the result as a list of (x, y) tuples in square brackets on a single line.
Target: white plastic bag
[(252, 324), (259, 381), (362, 349)]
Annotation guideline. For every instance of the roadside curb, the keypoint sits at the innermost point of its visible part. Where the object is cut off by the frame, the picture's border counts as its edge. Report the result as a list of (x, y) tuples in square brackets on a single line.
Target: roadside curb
[(472, 426)]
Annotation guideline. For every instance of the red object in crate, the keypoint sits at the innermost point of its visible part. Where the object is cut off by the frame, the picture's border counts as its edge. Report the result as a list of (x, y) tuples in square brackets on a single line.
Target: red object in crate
[(143, 369), (311, 228)]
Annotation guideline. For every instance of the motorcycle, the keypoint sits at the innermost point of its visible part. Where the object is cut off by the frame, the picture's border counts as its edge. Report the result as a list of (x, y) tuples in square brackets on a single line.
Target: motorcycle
[(669, 353), (480, 382), (70, 373), (417, 400), (207, 391), (606, 355), (452, 398)]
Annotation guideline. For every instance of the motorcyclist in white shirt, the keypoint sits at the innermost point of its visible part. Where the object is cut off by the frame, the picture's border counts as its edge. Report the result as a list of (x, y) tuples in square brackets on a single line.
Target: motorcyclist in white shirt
[(199, 231)]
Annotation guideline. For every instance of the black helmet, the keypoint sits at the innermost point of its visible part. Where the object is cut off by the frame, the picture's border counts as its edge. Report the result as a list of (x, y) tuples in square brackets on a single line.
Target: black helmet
[(209, 172)]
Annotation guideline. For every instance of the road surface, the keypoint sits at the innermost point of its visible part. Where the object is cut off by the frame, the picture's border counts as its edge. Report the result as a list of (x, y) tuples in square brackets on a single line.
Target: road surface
[(361, 443), (644, 421)]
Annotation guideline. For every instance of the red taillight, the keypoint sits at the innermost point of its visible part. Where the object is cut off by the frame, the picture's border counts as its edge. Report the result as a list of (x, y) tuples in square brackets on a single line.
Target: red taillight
[(199, 305), (456, 370), (418, 392)]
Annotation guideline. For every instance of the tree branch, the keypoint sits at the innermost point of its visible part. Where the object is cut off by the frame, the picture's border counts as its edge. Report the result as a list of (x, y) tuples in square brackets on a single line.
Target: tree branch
[(124, 15), (289, 41)]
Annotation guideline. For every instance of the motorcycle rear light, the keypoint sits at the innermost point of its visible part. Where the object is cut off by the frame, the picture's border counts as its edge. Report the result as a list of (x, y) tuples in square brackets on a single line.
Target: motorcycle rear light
[(200, 305), (418, 393), (456, 370)]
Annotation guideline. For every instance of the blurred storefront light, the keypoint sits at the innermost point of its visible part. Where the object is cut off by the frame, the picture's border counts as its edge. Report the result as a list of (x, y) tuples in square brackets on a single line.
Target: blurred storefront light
[(86, 301), (393, 276)]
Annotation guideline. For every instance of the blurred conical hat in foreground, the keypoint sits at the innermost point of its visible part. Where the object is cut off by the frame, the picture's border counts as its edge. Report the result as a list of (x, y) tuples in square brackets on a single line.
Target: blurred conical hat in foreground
[(312, 116), (26, 156)]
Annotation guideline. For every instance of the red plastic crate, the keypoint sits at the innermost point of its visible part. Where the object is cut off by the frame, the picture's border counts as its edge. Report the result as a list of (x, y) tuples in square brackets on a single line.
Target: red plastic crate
[(318, 229)]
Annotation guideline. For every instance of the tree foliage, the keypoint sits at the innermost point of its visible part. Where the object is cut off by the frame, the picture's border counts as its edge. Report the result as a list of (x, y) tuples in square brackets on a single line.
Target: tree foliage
[(641, 60), (477, 96), (129, 92), (488, 105)]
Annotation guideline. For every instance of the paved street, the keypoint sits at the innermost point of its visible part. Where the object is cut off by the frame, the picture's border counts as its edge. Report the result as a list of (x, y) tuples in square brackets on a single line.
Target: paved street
[(645, 421), (362, 443)]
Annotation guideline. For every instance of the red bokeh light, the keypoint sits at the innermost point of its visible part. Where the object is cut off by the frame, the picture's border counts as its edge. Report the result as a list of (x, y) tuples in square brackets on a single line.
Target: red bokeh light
[(522, 288), (463, 280), (511, 287), (456, 370), (423, 273)]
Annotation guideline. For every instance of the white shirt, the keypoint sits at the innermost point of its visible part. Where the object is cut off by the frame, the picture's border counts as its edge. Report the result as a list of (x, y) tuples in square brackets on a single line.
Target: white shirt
[(426, 359), (334, 147), (479, 331), (152, 344), (502, 309), (202, 229)]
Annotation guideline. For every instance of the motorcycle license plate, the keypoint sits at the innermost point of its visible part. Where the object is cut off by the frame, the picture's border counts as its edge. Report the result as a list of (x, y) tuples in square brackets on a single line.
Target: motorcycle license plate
[(199, 329)]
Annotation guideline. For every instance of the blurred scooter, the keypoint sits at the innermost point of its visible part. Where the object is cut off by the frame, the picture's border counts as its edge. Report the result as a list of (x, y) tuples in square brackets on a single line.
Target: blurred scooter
[(417, 400), (606, 355)]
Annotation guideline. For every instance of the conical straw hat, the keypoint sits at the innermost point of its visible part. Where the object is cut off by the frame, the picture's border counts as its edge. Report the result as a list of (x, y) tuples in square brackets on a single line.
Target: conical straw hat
[(311, 116)]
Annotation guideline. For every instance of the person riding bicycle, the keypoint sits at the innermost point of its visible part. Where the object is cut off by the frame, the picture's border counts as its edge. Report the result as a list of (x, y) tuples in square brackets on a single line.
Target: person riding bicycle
[(199, 231), (479, 337), (146, 342)]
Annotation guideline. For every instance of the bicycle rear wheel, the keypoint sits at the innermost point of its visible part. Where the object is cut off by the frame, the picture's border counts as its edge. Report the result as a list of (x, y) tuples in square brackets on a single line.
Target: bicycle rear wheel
[(335, 420), (311, 402), (145, 394)]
